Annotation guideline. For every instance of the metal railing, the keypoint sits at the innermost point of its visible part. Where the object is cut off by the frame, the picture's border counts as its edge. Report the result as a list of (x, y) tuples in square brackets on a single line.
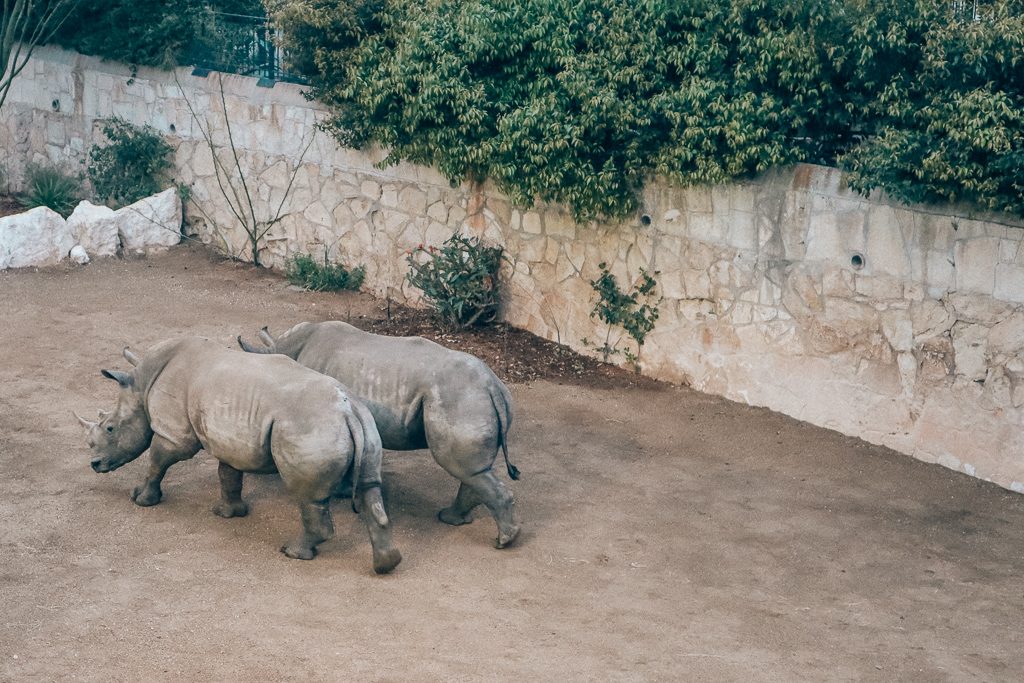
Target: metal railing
[(241, 44)]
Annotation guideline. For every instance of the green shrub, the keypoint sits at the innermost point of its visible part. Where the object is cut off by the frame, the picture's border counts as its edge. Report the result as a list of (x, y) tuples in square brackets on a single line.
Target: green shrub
[(580, 101), (634, 311), (49, 186), (133, 165), (303, 271), (459, 280)]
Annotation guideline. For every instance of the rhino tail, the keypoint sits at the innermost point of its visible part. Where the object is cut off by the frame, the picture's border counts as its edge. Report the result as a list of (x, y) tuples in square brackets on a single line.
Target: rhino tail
[(503, 407), (355, 430)]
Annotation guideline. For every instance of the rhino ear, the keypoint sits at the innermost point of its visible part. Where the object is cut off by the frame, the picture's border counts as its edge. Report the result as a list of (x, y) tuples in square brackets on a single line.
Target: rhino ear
[(122, 378), (267, 339)]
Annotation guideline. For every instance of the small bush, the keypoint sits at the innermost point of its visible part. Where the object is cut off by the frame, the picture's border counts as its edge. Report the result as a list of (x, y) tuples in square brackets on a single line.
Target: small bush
[(48, 186), (616, 308), (302, 270), (459, 280), (133, 166)]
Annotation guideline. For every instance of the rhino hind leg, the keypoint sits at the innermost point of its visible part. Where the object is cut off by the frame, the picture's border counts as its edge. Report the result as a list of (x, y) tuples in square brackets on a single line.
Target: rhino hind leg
[(231, 503), (161, 456), (385, 556), (461, 509), (486, 488), (317, 527)]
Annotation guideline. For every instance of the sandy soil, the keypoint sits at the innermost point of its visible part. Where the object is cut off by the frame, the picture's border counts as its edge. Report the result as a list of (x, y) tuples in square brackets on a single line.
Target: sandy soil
[(667, 535)]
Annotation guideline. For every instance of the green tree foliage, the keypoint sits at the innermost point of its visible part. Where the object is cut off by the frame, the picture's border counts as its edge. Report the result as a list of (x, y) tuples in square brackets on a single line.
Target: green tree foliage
[(580, 101), (145, 32)]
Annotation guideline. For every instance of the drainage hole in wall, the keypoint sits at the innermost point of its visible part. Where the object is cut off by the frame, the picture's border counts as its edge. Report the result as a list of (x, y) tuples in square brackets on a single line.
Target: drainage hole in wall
[(645, 219), (173, 128), (857, 261), (55, 105)]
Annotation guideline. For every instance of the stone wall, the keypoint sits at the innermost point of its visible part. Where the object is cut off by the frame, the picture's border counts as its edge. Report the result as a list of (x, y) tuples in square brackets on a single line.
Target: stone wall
[(901, 325)]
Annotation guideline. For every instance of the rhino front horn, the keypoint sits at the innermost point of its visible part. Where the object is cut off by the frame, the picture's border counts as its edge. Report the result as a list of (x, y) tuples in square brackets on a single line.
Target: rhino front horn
[(130, 357), (88, 424)]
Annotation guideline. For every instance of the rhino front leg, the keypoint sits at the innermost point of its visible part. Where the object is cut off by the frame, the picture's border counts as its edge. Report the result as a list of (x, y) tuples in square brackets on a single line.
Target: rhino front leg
[(385, 556), (231, 503), (317, 527), (162, 455)]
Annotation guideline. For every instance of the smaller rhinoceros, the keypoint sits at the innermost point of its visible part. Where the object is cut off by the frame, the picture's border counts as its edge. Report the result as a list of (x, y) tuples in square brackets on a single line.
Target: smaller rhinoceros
[(254, 414), (421, 395)]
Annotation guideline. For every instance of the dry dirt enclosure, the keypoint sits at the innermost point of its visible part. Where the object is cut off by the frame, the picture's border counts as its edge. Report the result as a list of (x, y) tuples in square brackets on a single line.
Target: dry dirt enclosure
[(668, 535)]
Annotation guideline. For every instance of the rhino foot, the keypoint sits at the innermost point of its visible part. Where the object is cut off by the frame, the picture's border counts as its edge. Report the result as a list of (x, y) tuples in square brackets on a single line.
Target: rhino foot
[(229, 510), (506, 537), (146, 495), (299, 552), (453, 517), (387, 560)]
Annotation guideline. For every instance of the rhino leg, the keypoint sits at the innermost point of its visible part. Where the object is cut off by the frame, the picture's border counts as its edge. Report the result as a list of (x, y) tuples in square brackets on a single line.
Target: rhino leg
[(485, 488), (231, 503), (162, 454), (461, 508), (317, 527), (385, 556)]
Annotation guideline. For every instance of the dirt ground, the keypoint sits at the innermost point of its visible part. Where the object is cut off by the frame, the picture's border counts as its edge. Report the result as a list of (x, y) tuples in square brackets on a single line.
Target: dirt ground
[(668, 535)]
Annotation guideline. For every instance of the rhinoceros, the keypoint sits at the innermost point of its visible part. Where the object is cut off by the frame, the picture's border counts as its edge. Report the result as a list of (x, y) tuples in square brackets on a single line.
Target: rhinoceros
[(258, 414), (421, 395)]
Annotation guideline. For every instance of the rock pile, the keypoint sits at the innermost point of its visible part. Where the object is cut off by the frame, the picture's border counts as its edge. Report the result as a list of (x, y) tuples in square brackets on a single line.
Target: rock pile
[(40, 237)]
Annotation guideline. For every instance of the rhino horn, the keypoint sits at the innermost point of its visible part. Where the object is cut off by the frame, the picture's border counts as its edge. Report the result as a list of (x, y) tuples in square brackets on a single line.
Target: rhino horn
[(122, 378), (88, 424), (130, 357), (267, 339), (249, 348)]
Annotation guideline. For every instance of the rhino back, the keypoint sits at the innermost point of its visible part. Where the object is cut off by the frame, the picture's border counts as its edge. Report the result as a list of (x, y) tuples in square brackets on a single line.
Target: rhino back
[(232, 403), (399, 378)]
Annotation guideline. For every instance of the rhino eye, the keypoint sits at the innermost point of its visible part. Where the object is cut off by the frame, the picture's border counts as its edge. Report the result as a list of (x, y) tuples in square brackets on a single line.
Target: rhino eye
[(110, 429)]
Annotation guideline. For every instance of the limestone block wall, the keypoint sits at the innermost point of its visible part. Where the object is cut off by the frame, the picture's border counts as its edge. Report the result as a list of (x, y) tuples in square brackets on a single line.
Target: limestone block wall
[(900, 325)]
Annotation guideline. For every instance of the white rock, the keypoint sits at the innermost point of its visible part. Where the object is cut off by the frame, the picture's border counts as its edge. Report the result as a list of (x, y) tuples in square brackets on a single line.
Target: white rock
[(94, 228), (38, 237), (79, 255), (153, 222)]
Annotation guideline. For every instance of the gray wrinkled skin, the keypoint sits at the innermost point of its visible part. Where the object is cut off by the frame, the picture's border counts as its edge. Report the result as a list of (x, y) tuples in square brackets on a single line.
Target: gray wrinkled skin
[(257, 414), (421, 395)]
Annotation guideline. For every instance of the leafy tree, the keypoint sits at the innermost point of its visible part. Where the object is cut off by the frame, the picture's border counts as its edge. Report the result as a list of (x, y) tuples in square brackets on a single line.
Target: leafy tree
[(580, 101)]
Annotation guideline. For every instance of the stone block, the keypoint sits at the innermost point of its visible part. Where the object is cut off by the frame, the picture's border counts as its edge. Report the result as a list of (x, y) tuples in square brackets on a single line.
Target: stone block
[(885, 250), (38, 237), (1007, 336), (412, 201), (973, 308), (94, 228), (969, 347), (1009, 285), (975, 262), (532, 223)]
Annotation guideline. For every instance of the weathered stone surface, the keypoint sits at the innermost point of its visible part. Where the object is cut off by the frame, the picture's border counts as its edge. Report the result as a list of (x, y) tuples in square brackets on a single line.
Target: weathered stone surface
[(930, 318), (95, 228), (976, 264), (150, 223), (38, 237), (969, 346), (979, 309), (1007, 336)]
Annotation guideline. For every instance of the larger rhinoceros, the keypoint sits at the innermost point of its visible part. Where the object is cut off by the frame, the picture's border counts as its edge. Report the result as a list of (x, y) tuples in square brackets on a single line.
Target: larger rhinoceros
[(254, 414), (422, 395)]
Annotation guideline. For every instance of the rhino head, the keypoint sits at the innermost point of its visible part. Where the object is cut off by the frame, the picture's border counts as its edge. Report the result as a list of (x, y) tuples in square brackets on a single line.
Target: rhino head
[(124, 433)]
